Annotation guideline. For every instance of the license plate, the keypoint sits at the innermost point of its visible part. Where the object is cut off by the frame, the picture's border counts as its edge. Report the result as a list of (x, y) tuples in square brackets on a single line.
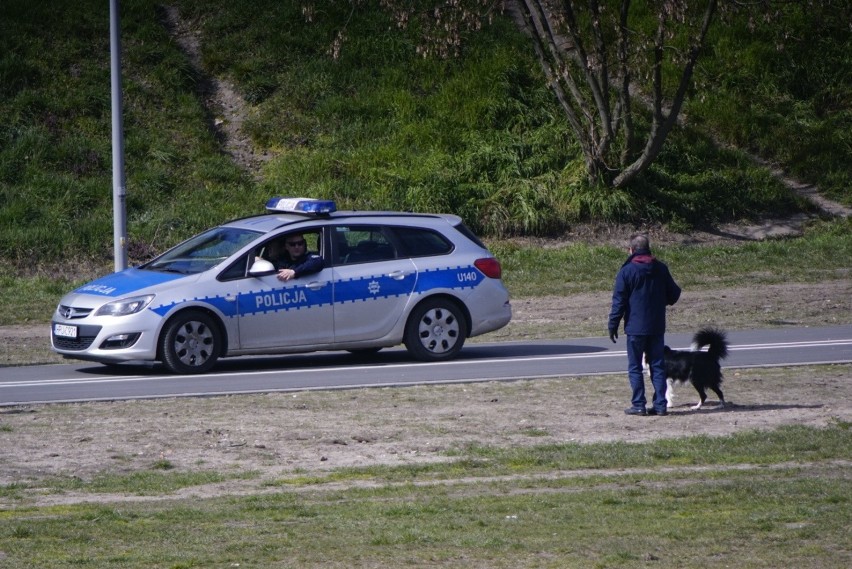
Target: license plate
[(65, 331)]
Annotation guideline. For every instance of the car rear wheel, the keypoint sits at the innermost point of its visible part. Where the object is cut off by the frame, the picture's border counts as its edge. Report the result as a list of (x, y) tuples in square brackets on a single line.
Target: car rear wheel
[(190, 343), (435, 330)]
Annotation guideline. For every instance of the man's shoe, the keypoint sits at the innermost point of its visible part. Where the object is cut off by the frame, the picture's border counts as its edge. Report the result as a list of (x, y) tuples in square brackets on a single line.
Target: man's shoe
[(635, 411), (658, 412)]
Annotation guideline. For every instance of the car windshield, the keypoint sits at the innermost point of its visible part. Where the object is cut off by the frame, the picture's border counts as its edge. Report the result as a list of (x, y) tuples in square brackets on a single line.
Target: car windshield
[(203, 251)]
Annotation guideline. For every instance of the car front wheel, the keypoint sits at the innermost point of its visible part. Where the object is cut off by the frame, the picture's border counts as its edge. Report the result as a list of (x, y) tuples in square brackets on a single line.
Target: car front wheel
[(435, 330), (190, 343)]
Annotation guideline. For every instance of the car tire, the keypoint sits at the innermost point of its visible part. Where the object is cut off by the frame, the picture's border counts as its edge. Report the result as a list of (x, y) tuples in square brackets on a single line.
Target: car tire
[(190, 343), (436, 330)]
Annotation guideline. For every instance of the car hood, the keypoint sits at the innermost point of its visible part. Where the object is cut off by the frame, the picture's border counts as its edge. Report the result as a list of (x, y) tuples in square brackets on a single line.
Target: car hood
[(129, 282)]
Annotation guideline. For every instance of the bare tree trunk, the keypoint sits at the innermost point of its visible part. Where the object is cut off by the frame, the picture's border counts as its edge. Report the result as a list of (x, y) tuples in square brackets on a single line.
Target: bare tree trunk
[(588, 95), (624, 118), (533, 20), (663, 124)]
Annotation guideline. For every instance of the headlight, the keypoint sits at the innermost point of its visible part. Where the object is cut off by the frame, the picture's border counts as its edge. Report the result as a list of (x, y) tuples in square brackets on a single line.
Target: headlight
[(125, 306)]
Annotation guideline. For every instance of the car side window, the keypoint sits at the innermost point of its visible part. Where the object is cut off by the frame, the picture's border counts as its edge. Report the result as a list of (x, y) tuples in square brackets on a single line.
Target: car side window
[(419, 242), (361, 244), (269, 250), (274, 248), (237, 270)]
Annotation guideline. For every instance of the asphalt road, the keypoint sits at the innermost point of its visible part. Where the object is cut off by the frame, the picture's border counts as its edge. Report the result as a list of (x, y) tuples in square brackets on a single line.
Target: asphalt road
[(82, 381)]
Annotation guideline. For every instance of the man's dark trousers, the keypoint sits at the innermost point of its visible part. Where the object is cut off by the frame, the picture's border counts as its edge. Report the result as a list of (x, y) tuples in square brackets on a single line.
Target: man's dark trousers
[(654, 346)]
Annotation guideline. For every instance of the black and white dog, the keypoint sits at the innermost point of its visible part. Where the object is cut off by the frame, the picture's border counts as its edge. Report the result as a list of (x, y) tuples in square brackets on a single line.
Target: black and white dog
[(700, 368)]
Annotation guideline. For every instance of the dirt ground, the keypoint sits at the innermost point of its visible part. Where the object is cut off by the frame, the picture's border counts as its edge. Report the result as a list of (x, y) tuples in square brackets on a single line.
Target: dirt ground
[(274, 436), (277, 436)]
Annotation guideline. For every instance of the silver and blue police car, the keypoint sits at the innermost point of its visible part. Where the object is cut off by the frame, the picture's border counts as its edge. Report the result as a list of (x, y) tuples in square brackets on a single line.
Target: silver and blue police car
[(383, 279)]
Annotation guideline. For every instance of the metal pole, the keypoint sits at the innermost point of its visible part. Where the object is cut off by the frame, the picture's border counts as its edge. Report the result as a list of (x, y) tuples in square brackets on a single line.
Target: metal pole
[(118, 183)]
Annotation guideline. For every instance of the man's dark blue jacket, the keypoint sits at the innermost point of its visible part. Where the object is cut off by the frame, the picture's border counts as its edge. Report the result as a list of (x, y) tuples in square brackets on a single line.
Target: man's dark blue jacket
[(643, 288)]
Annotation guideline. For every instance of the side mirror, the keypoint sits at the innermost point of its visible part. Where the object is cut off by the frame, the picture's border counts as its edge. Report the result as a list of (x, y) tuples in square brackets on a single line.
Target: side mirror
[(262, 268)]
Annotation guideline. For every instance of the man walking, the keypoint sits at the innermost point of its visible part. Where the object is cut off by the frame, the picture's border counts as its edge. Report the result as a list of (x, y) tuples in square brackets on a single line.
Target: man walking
[(643, 288)]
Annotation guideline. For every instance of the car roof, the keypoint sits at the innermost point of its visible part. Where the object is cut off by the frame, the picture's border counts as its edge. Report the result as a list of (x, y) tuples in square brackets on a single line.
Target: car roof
[(267, 222)]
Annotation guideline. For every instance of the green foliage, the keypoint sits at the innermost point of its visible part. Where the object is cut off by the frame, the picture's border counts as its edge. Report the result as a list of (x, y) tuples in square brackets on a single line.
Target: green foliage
[(784, 90), (418, 134), (680, 188), (377, 127), (55, 140)]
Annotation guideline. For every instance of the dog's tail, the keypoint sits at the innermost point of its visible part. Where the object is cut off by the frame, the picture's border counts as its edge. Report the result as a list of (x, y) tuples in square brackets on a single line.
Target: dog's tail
[(716, 339)]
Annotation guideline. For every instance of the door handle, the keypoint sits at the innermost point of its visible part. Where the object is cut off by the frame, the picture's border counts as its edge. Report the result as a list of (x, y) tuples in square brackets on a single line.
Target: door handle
[(398, 275), (316, 285)]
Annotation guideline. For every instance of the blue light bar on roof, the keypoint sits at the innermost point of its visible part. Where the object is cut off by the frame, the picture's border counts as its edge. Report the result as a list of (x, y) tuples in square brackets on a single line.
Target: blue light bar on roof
[(301, 205)]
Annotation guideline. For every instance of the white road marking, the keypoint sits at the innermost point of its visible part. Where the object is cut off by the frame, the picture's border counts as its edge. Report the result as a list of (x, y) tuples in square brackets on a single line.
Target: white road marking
[(320, 370)]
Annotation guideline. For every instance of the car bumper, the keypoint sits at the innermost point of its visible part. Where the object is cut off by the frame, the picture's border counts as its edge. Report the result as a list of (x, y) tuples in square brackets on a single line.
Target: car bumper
[(107, 339)]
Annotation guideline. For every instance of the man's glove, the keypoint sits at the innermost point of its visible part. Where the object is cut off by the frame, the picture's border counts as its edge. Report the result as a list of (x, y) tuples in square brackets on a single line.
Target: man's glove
[(613, 334)]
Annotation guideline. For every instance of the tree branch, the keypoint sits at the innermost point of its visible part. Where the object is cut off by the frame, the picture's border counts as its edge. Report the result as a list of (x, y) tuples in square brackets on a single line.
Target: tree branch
[(662, 125)]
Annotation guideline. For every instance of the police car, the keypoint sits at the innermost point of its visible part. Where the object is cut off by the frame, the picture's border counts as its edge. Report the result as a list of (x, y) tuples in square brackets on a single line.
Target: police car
[(384, 279)]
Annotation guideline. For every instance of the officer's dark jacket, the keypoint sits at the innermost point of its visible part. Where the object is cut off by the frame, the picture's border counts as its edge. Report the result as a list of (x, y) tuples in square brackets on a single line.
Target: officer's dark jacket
[(304, 265)]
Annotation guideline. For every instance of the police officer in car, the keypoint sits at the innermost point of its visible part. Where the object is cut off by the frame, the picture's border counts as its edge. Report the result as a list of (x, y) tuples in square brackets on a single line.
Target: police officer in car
[(293, 260)]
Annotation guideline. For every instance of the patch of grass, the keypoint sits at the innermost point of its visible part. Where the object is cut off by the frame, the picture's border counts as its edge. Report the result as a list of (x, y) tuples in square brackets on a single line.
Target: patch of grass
[(535, 271), (656, 517), (772, 261), (163, 464), (149, 482), (26, 300), (784, 445), (159, 480), (535, 432)]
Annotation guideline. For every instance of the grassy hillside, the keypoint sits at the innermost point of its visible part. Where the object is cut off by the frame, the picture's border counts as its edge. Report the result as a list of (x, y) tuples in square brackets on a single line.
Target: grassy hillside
[(379, 127), (785, 91)]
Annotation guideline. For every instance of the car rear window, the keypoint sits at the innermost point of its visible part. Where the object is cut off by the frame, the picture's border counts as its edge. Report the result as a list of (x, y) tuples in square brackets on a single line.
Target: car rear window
[(463, 229)]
